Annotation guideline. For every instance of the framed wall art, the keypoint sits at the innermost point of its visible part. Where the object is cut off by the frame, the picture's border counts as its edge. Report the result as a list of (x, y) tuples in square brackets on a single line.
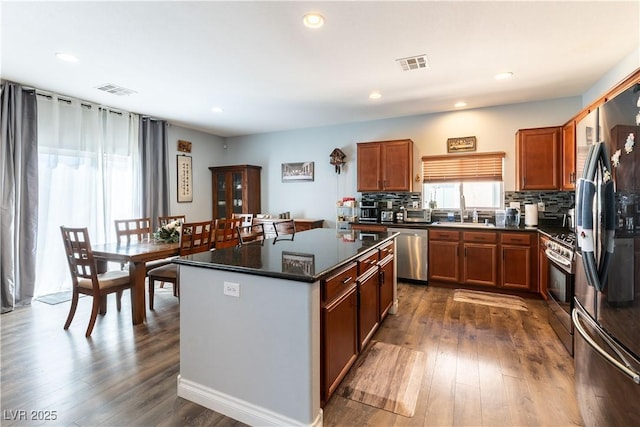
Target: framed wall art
[(293, 172), (461, 144), (185, 179)]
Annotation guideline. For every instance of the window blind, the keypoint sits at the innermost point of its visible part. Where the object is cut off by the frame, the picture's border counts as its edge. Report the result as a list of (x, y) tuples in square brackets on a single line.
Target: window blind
[(463, 167)]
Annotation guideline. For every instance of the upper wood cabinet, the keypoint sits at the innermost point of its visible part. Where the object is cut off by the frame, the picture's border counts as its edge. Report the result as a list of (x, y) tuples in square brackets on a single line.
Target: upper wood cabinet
[(385, 165), (538, 153), (568, 174), (236, 189)]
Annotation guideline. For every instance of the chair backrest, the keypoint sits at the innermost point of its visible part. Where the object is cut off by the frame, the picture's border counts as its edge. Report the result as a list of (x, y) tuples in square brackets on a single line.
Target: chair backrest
[(164, 220), (195, 237), (250, 234), (247, 219), (285, 227), (225, 232), (79, 255), (137, 228)]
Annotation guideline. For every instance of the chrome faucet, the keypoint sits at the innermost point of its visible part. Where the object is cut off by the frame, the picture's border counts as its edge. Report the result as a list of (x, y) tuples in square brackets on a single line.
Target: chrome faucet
[(463, 207)]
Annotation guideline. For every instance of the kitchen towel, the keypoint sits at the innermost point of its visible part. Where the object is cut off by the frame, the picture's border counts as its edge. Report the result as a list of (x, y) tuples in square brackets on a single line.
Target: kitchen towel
[(531, 215)]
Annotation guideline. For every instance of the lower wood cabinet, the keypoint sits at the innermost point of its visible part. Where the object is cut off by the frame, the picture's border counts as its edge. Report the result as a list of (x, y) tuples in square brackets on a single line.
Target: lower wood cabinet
[(355, 300), (543, 266), (488, 259)]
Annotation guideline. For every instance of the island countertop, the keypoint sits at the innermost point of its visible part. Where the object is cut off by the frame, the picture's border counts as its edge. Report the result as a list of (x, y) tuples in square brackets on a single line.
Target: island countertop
[(306, 256)]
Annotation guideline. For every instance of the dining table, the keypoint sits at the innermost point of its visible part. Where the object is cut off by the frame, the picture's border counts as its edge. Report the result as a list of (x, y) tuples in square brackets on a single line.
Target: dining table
[(136, 254)]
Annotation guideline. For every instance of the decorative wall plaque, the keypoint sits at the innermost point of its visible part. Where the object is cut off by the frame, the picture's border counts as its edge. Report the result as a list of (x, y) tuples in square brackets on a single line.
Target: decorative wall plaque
[(185, 179), (184, 146), (462, 144)]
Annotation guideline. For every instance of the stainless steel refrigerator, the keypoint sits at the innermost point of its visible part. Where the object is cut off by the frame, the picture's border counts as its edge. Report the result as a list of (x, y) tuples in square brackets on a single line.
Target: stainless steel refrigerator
[(606, 316)]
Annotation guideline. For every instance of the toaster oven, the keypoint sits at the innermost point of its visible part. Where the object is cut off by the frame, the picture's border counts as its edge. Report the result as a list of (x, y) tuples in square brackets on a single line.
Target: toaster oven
[(417, 215)]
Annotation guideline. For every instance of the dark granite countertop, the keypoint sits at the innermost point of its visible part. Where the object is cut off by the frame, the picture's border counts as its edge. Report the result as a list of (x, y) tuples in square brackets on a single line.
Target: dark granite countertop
[(443, 224), (310, 256)]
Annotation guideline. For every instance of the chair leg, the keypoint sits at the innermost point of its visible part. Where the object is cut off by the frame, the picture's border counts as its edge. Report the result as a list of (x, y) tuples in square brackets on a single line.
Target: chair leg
[(97, 302), (72, 309), (119, 300), (152, 284)]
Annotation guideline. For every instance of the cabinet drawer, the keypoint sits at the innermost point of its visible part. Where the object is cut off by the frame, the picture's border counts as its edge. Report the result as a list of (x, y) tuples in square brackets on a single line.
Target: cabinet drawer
[(516, 238), (480, 236), (443, 235), (340, 282), (367, 261), (386, 250)]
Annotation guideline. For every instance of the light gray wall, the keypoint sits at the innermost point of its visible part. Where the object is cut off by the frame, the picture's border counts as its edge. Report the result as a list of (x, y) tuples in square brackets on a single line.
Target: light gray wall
[(206, 150), (494, 128)]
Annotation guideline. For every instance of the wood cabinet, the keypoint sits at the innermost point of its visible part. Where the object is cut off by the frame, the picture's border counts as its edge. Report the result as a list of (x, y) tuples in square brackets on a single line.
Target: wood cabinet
[(386, 278), (488, 259), (236, 189), (626, 176), (568, 175), (355, 300), (385, 165), (480, 260), (538, 158), (444, 260), (519, 266), (339, 328)]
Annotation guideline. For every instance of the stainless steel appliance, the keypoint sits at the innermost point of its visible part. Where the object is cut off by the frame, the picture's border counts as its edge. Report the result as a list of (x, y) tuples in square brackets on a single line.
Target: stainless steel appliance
[(411, 253), (417, 215), (606, 315), (560, 256), (386, 216), (369, 212)]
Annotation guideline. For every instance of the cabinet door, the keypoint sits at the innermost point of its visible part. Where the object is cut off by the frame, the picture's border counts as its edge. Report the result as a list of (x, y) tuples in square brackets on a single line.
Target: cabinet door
[(368, 307), (386, 286), (237, 191), (569, 156), (538, 159), (397, 165), (444, 262), (369, 164), (340, 340), (220, 198), (516, 267), (480, 264)]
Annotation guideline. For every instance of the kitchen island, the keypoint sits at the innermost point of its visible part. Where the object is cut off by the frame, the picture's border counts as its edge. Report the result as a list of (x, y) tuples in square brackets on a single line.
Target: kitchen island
[(250, 324)]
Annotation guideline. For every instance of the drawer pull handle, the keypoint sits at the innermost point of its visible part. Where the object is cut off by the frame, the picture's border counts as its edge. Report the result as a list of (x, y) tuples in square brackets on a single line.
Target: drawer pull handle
[(347, 280)]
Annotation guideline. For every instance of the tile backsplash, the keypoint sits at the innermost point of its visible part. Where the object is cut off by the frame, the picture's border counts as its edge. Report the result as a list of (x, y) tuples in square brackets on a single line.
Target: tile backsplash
[(556, 203)]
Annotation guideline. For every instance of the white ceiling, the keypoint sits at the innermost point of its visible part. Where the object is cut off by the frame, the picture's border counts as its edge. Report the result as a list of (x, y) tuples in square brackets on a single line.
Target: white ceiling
[(268, 72)]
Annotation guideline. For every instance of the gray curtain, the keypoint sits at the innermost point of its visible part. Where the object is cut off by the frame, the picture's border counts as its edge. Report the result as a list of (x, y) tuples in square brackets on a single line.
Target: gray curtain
[(19, 195), (154, 160)]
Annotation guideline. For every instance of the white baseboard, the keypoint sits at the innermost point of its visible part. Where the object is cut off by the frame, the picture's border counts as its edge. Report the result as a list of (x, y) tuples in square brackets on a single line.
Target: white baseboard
[(237, 409)]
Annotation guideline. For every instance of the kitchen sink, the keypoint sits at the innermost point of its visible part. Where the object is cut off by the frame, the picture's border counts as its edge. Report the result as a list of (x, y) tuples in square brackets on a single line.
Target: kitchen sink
[(463, 224)]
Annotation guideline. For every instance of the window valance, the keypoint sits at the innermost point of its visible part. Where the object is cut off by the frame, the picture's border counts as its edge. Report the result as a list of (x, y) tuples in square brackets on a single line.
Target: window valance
[(463, 167)]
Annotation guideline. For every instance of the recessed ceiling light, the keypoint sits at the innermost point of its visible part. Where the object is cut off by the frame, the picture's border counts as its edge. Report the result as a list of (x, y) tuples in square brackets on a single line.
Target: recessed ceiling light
[(217, 110), (66, 57), (503, 76), (313, 20), (375, 95), (460, 104)]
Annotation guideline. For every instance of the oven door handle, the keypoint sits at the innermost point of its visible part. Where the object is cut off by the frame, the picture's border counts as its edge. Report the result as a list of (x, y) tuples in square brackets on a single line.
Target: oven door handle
[(576, 314), (552, 255)]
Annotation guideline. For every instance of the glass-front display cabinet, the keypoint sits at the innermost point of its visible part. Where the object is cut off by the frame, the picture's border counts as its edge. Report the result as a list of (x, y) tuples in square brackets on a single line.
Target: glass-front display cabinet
[(236, 189)]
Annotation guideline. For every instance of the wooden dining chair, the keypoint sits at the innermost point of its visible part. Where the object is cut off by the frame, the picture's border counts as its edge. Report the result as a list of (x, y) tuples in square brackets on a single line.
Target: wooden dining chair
[(133, 229), (85, 278), (285, 228), (225, 232), (195, 237), (251, 234), (247, 219)]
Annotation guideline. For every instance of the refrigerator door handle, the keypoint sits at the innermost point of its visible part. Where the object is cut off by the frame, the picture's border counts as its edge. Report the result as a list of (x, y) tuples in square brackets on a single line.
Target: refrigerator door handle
[(625, 368)]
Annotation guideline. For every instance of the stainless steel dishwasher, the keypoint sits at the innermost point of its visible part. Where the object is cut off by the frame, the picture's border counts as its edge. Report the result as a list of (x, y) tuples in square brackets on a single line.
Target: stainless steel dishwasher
[(412, 256)]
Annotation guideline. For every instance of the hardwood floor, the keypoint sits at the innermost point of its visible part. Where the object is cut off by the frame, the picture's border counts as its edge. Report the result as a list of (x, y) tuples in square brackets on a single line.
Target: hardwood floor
[(485, 366)]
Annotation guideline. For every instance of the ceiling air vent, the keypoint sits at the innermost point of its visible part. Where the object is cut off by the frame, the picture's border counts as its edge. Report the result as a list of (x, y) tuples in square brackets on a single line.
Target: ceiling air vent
[(413, 62), (115, 89)]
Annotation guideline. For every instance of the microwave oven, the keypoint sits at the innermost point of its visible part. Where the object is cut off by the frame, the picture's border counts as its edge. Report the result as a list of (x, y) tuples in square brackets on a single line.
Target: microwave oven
[(417, 215), (369, 214)]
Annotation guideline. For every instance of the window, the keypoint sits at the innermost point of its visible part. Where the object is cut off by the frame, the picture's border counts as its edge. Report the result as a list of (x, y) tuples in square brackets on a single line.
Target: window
[(476, 176)]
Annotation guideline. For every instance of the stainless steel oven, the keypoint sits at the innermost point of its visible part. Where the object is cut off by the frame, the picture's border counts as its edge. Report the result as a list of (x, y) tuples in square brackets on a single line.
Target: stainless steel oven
[(560, 286)]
